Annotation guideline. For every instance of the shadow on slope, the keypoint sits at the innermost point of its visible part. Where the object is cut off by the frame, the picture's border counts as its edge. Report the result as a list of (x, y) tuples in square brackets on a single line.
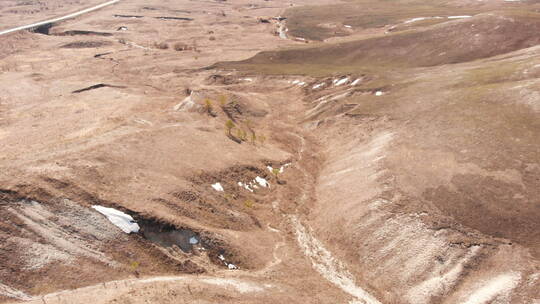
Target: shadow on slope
[(463, 40)]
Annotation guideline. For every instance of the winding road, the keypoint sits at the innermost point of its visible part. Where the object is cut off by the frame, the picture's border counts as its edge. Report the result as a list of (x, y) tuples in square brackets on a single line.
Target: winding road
[(58, 19)]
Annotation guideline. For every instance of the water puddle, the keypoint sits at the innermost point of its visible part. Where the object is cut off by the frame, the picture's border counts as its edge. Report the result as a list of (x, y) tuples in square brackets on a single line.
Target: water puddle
[(169, 236)]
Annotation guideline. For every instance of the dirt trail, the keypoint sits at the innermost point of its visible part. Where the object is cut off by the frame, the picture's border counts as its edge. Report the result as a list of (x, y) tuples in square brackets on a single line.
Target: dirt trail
[(109, 289)]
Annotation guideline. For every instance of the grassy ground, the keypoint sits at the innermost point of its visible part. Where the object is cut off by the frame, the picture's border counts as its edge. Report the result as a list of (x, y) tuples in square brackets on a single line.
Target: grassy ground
[(464, 104), (457, 41), (321, 22)]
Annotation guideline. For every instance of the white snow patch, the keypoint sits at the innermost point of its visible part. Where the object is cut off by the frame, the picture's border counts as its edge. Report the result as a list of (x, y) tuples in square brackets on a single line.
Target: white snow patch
[(246, 186), (379, 93), (500, 285), (232, 266), (247, 79), (421, 19), (356, 81), (282, 30), (121, 220), (319, 85), (261, 181), (415, 19), (341, 81), (185, 104), (347, 26), (459, 17), (217, 187)]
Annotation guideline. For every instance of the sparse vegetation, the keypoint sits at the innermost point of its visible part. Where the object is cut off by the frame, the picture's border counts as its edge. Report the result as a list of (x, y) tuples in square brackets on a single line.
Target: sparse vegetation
[(229, 125), (253, 138), (241, 134), (249, 203), (209, 108), (222, 99)]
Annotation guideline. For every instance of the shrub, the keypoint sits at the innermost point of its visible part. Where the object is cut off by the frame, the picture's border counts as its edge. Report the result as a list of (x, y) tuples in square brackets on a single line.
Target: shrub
[(208, 107), (222, 100), (229, 125), (241, 134), (249, 203), (180, 46), (161, 45)]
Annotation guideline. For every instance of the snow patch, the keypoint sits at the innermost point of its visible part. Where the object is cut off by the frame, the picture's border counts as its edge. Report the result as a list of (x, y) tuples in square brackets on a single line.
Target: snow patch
[(356, 81), (229, 265), (421, 19), (261, 181), (120, 219), (341, 81), (415, 19), (318, 85), (185, 104), (218, 187), (459, 17), (282, 31), (379, 93), (246, 186), (298, 82)]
